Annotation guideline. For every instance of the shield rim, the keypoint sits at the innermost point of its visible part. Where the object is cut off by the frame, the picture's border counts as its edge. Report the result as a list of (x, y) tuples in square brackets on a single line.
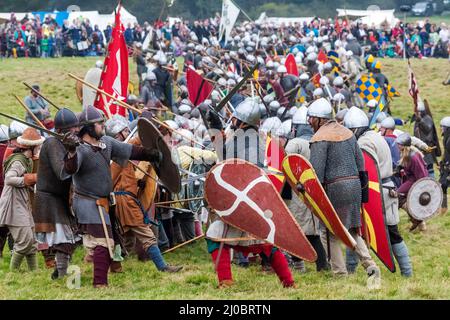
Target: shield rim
[(173, 186), (409, 197), (233, 160), (383, 208)]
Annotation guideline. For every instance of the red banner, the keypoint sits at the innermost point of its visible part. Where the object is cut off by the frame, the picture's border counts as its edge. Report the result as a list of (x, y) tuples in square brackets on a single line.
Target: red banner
[(114, 78), (199, 89)]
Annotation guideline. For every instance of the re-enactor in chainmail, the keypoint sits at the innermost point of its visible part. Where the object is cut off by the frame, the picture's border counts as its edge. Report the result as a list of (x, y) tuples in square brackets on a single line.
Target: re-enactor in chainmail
[(89, 165), (339, 165), (55, 224)]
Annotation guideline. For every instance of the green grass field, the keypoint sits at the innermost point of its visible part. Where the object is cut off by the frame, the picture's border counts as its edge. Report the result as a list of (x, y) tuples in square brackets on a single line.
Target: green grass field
[(430, 251)]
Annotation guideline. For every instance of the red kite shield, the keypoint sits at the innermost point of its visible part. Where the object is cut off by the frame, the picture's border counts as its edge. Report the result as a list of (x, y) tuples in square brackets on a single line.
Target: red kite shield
[(243, 196), (298, 170), (373, 215), (291, 65), (274, 157)]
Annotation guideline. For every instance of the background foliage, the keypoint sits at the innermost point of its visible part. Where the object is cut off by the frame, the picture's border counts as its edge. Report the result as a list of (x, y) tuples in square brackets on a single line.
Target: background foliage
[(151, 9)]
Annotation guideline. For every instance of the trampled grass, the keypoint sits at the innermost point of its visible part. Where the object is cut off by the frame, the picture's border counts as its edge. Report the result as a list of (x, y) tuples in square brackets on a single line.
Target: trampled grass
[(430, 251)]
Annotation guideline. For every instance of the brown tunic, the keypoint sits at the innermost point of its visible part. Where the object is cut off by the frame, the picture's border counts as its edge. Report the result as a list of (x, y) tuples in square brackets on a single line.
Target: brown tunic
[(127, 209)]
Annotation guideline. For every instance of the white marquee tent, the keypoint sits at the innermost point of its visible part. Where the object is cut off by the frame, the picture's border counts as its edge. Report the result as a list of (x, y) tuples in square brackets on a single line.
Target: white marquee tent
[(370, 17)]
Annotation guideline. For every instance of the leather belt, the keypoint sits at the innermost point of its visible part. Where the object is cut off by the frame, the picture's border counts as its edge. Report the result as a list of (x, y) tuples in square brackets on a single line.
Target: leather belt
[(103, 202), (341, 179)]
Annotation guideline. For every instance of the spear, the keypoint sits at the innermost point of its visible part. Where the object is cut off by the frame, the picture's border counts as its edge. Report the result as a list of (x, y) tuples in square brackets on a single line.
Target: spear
[(184, 243), (178, 201), (126, 105)]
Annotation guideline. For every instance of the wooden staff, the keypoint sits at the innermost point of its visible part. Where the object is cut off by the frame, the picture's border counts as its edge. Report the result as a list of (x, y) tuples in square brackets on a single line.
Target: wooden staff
[(29, 111), (126, 105), (184, 243), (41, 95), (177, 201), (232, 239)]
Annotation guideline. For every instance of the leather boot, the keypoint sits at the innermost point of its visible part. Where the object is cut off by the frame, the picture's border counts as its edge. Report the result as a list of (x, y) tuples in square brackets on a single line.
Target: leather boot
[(16, 261), (32, 261), (444, 204)]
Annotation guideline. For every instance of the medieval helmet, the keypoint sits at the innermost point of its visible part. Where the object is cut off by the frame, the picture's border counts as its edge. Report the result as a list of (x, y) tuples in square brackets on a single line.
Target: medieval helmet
[(248, 111), (320, 108), (388, 123), (338, 97), (65, 119), (300, 116), (324, 80), (356, 118), (99, 64), (270, 125), (280, 112), (285, 129), (30, 138), (404, 139), (338, 81), (274, 105), (318, 92), (184, 108), (268, 98), (132, 99), (172, 124), (16, 129), (90, 115), (304, 76), (282, 69), (4, 136), (115, 125), (150, 76), (372, 103), (340, 115), (445, 122)]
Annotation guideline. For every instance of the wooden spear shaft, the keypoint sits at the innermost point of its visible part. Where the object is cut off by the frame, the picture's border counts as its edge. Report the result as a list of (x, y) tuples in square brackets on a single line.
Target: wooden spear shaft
[(30, 112), (178, 201), (126, 105), (184, 243), (41, 95)]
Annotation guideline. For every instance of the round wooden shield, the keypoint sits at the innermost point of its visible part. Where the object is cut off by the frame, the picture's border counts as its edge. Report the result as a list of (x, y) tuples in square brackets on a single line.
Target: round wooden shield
[(167, 170), (424, 199)]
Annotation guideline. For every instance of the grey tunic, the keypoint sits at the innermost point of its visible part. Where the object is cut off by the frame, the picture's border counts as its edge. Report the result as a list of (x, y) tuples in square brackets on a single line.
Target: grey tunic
[(92, 179), (15, 208), (336, 154)]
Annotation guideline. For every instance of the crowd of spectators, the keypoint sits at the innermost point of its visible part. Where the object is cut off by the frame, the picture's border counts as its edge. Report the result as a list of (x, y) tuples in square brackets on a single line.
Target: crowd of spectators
[(35, 38)]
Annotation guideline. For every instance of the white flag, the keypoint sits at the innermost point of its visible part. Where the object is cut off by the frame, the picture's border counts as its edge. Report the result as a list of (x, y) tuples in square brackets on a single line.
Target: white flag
[(230, 13)]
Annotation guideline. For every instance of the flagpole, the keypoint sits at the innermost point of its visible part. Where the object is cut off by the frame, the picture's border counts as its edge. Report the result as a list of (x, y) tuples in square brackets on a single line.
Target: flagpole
[(245, 14)]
